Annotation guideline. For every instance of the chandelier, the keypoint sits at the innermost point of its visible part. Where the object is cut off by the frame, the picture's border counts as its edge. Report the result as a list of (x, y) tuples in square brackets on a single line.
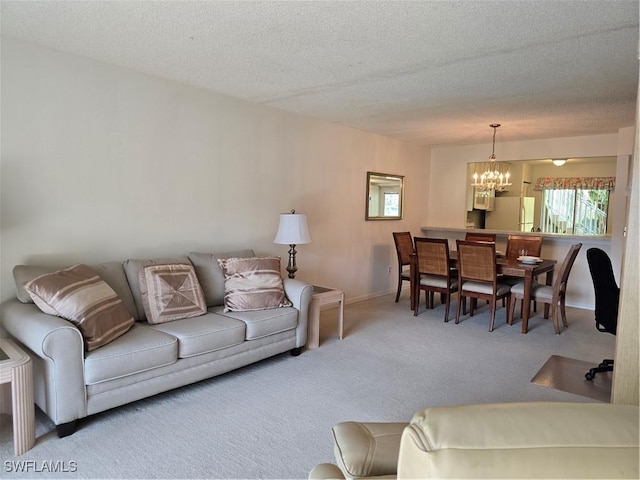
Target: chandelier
[(494, 176)]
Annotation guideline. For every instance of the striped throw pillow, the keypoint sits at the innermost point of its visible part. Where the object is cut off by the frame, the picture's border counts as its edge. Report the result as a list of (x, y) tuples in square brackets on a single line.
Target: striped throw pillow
[(79, 295), (171, 292), (252, 284)]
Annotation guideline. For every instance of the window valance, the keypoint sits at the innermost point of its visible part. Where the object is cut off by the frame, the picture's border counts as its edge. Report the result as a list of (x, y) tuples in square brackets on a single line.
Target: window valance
[(585, 183)]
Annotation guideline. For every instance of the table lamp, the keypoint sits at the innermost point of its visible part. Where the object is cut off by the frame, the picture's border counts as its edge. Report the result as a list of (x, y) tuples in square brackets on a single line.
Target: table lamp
[(292, 231)]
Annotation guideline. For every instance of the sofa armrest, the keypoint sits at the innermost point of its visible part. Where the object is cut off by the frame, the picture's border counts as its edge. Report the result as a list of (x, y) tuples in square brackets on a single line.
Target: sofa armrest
[(57, 352), (325, 471), (367, 449), (299, 294)]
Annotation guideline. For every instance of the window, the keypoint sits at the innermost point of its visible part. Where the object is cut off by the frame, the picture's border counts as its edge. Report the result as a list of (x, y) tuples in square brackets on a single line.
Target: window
[(574, 211), (391, 204)]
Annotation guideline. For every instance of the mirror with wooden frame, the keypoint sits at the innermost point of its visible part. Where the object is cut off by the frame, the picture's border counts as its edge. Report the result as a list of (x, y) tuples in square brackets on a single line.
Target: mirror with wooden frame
[(385, 196)]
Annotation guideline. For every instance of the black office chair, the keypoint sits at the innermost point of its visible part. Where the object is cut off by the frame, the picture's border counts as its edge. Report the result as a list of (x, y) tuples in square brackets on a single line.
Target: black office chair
[(607, 296)]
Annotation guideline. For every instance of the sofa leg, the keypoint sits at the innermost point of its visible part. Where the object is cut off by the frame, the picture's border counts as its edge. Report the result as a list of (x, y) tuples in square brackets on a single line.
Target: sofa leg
[(66, 429), (296, 351)]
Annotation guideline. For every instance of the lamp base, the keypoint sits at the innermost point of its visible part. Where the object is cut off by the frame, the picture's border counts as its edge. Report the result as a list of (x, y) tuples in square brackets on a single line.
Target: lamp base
[(291, 267)]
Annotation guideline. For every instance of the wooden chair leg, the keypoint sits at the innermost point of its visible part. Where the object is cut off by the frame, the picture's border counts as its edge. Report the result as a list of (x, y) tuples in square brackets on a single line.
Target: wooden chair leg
[(563, 312), (416, 304), (399, 288), (460, 299), (446, 308), (493, 314), (512, 309), (554, 316)]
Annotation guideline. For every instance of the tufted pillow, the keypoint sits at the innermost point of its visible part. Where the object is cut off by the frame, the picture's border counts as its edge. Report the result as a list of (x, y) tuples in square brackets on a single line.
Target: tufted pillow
[(78, 294), (170, 292), (252, 284)]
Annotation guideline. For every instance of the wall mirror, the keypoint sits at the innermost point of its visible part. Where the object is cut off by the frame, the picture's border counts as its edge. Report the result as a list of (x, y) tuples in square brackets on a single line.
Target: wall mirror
[(385, 195), (571, 197)]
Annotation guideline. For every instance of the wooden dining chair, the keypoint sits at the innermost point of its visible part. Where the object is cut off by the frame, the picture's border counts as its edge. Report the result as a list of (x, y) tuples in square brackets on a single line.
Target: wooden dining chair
[(532, 244), (433, 273), (550, 295), (517, 243), (404, 250), (477, 277), (480, 237)]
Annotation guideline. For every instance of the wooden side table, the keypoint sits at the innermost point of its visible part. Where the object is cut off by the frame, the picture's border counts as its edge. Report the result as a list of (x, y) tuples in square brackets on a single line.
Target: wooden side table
[(15, 368), (323, 296)]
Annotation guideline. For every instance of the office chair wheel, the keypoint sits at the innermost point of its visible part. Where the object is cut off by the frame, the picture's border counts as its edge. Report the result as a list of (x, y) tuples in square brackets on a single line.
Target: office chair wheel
[(589, 376)]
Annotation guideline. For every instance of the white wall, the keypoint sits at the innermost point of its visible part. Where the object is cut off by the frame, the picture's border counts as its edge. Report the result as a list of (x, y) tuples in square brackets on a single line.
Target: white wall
[(101, 163)]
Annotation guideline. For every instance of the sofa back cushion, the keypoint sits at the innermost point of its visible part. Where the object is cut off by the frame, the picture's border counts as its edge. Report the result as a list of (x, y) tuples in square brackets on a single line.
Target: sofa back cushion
[(132, 269), (110, 272), (522, 440), (210, 274)]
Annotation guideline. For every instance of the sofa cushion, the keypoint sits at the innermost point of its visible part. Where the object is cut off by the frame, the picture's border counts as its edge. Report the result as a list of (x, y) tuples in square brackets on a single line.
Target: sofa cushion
[(210, 274), (132, 269), (141, 348), (110, 272), (78, 294), (170, 292), (252, 284), (204, 334), (261, 323)]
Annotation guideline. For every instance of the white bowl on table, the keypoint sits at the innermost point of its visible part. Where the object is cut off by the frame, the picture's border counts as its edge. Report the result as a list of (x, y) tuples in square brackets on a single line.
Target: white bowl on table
[(528, 260)]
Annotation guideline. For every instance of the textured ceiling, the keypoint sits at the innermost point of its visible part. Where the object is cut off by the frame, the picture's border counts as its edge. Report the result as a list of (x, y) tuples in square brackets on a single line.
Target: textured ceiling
[(429, 72)]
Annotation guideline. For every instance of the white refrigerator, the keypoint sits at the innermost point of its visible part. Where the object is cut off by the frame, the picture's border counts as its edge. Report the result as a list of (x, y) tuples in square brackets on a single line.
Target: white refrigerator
[(511, 214)]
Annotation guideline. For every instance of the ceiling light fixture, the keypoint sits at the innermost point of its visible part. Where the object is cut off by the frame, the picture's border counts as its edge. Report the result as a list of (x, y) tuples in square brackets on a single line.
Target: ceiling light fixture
[(495, 176), (558, 162)]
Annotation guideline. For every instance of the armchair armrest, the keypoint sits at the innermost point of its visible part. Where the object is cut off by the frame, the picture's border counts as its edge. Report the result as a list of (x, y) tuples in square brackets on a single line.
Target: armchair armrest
[(299, 294), (57, 352)]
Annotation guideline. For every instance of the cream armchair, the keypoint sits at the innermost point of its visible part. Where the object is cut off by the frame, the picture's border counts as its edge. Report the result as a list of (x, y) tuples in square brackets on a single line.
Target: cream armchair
[(508, 440)]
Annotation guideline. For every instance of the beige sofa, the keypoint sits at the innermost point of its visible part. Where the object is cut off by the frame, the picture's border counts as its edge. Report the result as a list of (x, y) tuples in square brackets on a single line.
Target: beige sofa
[(71, 383), (508, 440)]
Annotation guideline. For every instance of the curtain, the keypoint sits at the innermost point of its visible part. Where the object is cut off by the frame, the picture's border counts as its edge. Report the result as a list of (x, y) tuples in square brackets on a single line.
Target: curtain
[(585, 183)]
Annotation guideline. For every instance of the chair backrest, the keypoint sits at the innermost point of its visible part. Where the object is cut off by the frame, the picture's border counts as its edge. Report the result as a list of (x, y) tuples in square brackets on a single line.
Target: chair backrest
[(517, 243), (606, 290), (560, 283), (480, 237), (432, 256), (476, 261), (404, 247)]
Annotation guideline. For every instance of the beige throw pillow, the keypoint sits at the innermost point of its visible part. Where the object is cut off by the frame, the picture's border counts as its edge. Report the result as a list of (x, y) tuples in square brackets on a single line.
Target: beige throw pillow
[(252, 284), (171, 292), (79, 295)]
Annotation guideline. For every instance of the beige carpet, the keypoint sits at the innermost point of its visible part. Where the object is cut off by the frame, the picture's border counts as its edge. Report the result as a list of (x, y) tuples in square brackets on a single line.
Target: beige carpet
[(567, 375), (273, 419)]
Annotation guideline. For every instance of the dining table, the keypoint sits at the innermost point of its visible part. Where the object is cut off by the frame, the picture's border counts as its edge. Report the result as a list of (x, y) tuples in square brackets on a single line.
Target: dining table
[(509, 267)]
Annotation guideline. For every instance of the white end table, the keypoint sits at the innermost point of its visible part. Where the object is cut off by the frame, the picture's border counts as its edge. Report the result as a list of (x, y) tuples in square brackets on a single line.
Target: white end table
[(15, 368), (323, 296)]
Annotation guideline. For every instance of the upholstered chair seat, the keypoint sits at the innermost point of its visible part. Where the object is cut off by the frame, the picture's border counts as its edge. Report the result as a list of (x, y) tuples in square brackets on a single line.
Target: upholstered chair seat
[(438, 282), (540, 292)]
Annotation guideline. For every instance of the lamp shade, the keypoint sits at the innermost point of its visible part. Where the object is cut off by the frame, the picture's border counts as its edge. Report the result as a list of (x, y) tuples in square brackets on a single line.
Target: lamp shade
[(293, 229), (558, 162)]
